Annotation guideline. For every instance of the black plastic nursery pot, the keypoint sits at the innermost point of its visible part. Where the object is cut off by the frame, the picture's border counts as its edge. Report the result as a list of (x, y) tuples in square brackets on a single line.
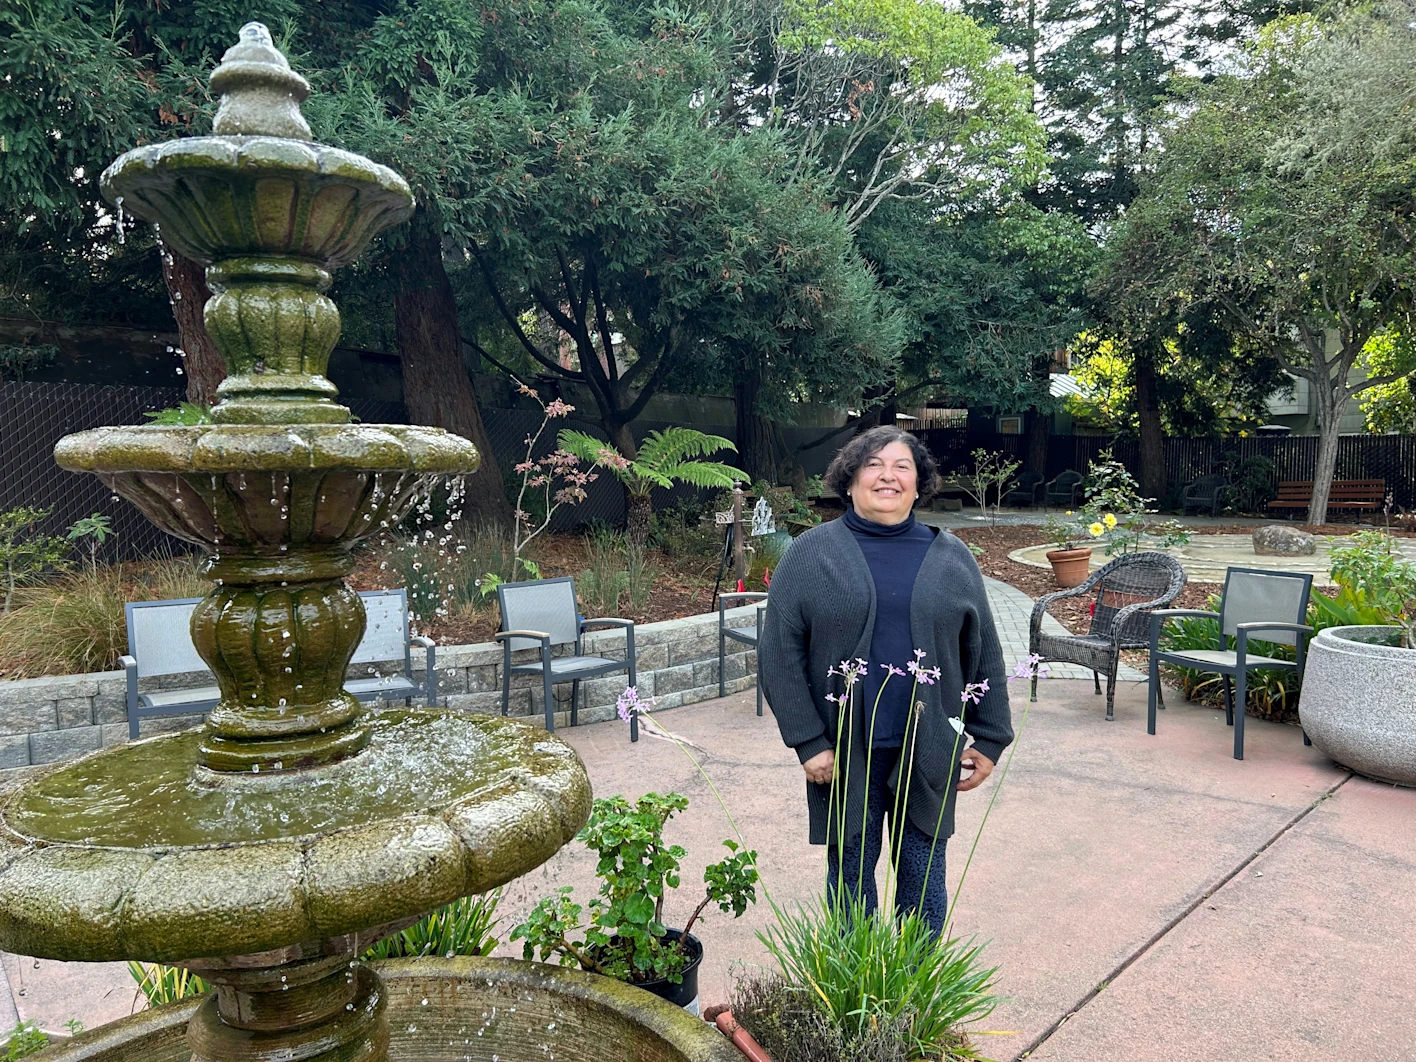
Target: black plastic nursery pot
[(685, 993)]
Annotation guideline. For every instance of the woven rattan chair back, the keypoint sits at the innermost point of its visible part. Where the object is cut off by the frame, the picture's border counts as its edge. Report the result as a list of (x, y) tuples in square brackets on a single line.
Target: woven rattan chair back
[(1130, 580)]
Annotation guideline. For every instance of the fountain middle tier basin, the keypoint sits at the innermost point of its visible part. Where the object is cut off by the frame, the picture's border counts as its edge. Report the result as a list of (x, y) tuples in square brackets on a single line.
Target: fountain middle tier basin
[(467, 1010), (139, 852), (267, 487)]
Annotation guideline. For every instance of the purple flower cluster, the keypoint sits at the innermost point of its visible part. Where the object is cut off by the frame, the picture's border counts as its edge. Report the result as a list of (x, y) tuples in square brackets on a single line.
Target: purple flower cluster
[(629, 703)]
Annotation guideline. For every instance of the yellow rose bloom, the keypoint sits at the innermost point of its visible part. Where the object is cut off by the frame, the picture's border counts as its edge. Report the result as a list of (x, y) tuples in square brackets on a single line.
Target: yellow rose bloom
[(1096, 530), (1110, 521), (1069, 512)]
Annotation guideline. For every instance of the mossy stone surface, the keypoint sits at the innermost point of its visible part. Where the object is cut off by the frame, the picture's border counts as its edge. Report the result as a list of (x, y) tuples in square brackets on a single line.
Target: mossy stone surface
[(171, 862), (441, 1010)]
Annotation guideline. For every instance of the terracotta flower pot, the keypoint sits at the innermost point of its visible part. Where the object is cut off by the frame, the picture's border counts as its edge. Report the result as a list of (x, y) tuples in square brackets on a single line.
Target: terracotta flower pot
[(723, 1018), (1070, 566)]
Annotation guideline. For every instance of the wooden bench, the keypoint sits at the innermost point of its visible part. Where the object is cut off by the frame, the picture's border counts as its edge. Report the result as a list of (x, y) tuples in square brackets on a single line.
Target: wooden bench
[(1368, 494), (160, 643)]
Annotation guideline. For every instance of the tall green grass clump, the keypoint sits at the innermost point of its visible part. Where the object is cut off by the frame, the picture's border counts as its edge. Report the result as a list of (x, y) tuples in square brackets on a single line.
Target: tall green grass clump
[(868, 972), (463, 927)]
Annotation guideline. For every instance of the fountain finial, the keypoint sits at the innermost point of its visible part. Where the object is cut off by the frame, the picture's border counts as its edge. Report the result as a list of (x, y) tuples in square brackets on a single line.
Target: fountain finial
[(260, 94)]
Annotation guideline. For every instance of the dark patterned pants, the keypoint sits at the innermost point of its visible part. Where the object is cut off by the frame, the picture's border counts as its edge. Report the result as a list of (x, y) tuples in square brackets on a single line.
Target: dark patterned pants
[(913, 892)]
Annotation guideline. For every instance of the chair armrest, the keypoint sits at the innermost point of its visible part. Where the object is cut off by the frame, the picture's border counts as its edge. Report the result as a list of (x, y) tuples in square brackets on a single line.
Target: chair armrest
[(747, 596), (1267, 625), (503, 636), (1118, 622), (606, 621), (1040, 605), (1172, 613), (421, 641), (127, 662), (1160, 615)]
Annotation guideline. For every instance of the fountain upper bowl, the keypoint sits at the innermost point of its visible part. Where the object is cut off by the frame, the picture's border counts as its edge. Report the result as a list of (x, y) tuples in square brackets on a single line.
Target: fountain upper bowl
[(223, 197)]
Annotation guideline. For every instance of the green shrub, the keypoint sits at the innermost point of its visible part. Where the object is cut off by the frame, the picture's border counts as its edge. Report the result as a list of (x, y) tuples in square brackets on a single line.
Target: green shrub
[(626, 936), (603, 583), (75, 623), (25, 1038), (166, 984), (1253, 484), (26, 553), (463, 927), (680, 534), (872, 971)]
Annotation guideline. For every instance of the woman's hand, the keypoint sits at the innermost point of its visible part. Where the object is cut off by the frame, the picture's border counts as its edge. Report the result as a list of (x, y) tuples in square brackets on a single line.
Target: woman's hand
[(981, 765), (821, 768)]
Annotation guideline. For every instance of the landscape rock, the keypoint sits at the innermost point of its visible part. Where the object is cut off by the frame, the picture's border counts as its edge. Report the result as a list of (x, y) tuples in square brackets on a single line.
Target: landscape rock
[(1276, 540)]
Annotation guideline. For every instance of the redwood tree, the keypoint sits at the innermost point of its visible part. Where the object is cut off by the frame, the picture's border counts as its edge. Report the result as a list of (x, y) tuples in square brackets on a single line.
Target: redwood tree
[(188, 292), (437, 389)]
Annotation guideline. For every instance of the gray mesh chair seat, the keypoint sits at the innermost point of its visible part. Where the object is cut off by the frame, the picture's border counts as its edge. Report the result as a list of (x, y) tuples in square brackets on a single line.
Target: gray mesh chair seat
[(568, 667), (746, 635), (542, 614), (1125, 590), (1222, 660), (1263, 605)]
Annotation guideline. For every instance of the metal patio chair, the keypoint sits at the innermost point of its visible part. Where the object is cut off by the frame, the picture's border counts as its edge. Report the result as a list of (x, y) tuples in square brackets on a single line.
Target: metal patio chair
[(1025, 490), (542, 613), (1263, 605), (1126, 590), (1064, 491), (747, 635)]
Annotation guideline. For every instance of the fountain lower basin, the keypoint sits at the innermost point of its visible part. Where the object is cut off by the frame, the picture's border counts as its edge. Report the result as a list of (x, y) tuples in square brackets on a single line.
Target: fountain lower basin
[(466, 1010), (140, 852)]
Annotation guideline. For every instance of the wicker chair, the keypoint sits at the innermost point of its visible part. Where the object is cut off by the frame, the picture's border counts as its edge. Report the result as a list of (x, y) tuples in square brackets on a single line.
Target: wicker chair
[(1126, 590), (1064, 491)]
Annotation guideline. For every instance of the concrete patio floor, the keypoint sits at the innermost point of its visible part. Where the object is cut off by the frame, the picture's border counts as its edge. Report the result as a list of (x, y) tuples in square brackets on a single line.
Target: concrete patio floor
[(1145, 898)]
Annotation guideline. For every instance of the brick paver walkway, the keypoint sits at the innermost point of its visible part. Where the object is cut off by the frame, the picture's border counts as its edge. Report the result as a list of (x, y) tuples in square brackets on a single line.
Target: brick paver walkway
[(1012, 610)]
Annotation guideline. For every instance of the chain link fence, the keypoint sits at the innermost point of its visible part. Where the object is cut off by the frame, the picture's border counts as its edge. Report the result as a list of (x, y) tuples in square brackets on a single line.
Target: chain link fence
[(35, 416)]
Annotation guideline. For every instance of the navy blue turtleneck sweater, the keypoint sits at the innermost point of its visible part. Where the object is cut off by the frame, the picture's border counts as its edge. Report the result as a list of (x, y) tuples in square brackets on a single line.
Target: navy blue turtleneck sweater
[(894, 553)]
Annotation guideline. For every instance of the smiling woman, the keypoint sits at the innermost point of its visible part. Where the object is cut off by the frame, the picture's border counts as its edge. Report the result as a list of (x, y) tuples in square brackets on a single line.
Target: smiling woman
[(881, 589)]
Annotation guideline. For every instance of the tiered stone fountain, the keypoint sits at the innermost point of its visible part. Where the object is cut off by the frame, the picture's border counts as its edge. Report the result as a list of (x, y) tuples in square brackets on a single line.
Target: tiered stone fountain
[(269, 848)]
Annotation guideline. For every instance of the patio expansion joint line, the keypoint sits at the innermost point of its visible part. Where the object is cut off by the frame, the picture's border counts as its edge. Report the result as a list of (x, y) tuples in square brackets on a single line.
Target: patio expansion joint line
[(1190, 909)]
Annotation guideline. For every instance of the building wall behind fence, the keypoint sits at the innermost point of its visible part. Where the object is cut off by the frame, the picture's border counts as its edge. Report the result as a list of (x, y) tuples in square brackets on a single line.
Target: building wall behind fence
[(35, 415), (1387, 457)]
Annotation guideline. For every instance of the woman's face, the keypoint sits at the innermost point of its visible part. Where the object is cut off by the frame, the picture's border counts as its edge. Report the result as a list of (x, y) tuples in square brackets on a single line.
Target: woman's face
[(885, 488)]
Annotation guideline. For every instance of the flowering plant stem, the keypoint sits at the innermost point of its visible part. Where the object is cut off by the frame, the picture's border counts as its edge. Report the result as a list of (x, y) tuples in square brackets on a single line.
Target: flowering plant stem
[(542, 475)]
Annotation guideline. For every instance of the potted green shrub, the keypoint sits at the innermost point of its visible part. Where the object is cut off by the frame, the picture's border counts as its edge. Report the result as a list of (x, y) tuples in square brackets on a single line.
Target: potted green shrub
[(625, 936)]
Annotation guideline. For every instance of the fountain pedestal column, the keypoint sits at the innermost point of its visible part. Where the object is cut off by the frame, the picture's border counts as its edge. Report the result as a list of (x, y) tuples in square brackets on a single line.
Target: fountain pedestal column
[(322, 1010)]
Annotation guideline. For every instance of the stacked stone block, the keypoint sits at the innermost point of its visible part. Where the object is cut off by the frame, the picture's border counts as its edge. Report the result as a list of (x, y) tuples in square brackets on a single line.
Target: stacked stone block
[(46, 720)]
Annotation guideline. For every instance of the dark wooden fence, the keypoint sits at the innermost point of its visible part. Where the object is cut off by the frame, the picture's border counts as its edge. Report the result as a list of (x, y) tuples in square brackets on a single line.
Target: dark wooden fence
[(1388, 457)]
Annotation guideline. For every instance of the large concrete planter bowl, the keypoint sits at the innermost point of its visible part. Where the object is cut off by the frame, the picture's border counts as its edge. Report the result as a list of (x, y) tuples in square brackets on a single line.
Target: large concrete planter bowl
[(1359, 701), (467, 1009)]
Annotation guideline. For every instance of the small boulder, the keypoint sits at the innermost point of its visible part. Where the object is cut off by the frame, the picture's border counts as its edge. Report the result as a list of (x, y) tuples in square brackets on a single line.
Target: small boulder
[(1276, 540)]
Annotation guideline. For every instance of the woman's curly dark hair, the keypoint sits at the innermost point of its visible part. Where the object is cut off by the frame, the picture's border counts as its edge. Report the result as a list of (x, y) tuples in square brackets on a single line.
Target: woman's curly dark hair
[(867, 444)]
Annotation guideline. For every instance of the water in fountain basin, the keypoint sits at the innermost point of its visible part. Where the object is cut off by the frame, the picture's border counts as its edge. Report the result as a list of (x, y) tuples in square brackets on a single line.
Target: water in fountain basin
[(154, 795)]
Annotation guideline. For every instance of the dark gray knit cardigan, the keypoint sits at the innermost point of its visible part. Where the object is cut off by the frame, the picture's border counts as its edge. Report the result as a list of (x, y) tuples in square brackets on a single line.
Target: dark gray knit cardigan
[(822, 611)]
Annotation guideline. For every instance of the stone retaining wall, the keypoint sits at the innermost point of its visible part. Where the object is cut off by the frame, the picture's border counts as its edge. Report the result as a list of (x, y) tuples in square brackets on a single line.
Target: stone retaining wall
[(44, 720)]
